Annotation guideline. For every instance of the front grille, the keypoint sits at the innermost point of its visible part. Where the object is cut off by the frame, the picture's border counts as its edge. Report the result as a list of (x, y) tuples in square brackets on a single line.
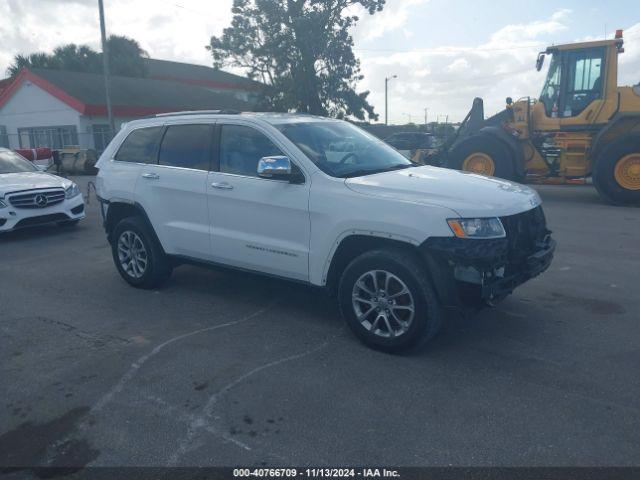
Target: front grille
[(524, 231), (37, 198), (42, 220)]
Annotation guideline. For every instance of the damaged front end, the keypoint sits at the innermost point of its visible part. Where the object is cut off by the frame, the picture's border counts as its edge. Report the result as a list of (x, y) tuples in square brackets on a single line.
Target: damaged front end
[(484, 271)]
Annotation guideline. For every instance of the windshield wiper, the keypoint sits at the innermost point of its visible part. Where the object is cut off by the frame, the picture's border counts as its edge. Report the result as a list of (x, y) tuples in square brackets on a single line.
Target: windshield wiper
[(361, 173)]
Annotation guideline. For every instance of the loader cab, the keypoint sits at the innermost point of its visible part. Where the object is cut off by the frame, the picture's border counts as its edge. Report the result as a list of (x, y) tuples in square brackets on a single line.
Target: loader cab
[(580, 90), (575, 79)]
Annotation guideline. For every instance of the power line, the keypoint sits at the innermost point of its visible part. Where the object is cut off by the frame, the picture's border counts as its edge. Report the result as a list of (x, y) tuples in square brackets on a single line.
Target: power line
[(188, 9), (445, 50)]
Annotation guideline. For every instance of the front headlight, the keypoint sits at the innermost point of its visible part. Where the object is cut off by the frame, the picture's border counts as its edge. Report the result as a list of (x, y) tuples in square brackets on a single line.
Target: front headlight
[(477, 227), (2, 204), (72, 191)]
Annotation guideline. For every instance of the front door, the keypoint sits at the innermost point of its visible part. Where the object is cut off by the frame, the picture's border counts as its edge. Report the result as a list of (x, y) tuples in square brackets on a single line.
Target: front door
[(256, 223), (583, 83)]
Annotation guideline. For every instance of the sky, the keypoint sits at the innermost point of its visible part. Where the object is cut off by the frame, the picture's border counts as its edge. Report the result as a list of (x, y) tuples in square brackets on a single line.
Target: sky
[(444, 52)]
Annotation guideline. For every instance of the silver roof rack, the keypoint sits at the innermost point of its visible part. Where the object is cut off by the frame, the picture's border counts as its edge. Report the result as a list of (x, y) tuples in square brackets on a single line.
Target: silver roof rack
[(199, 112)]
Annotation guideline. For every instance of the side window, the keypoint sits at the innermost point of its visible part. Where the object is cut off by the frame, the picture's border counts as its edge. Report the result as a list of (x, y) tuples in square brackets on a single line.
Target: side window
[(140, 146), (187, 146), (241, 147)]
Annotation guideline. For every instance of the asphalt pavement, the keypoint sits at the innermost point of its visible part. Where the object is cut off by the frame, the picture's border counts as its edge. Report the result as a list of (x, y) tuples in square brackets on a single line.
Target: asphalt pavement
[(220, 368)]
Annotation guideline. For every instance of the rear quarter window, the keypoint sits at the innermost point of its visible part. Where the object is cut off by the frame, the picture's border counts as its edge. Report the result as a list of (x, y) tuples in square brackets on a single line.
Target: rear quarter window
[(140, 146)]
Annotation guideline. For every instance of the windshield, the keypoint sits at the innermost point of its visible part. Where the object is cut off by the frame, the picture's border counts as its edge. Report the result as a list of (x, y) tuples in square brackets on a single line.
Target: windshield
[(11, 162), (343, 150), (551, 89)]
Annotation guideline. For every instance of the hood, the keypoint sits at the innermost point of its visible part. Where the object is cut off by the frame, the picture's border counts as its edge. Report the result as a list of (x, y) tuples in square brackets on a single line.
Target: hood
[(12, 182), (468, 194)]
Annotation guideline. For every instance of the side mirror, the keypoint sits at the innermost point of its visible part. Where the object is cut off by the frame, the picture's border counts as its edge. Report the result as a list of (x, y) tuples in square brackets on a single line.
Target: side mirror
[(540, 61), (277, 168)]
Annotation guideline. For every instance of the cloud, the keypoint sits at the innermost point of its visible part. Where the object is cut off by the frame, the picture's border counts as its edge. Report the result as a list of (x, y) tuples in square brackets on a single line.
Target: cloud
[(167, 29), (515, 34), (629, 61), (444, 79), (459, 65), (394, 16), (447, 78)]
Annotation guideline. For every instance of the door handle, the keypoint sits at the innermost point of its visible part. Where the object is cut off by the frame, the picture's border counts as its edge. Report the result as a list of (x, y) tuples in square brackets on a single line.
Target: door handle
[(222, 186), (151, 176)]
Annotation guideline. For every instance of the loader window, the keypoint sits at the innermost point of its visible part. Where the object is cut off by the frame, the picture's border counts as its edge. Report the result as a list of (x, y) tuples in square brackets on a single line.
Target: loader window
[(550, 92), (584, 82)]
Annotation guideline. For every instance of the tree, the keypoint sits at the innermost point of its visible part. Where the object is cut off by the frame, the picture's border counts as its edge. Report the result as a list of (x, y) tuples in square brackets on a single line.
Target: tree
[(126, 58), (76, 58), (33, 60), (302, 50)]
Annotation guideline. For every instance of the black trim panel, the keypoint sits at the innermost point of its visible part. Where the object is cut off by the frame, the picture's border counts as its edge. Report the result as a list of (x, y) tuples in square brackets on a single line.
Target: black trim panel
[(223, 266)]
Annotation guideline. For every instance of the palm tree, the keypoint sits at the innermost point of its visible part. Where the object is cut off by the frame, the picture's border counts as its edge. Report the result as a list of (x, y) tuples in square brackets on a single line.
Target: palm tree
[(126, 58)]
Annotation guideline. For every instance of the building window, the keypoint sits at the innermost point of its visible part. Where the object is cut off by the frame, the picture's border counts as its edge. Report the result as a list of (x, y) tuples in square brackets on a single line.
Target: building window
[(52, 137), (4, 138), (101, 136)]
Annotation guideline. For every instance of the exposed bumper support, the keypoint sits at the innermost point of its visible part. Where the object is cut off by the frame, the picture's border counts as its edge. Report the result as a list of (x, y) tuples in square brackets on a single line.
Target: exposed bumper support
[(487, 267), (531, 267)]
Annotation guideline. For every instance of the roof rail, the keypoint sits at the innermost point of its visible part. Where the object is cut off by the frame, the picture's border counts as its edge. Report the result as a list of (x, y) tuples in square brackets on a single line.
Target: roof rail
[(198, 112)]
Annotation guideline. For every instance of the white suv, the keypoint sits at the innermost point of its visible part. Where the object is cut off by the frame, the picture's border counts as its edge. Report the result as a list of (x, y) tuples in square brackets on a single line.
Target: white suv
[(322, 202), (29, 197)]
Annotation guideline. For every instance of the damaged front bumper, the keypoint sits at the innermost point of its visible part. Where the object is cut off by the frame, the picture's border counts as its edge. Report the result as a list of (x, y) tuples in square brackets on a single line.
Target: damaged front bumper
[(472, 271)]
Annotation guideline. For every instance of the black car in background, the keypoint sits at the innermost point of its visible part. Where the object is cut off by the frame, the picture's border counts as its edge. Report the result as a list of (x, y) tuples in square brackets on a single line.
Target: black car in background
[(416, 146)]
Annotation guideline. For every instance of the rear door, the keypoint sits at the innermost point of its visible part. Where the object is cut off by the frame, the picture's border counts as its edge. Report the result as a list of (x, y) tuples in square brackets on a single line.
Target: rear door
[(256, 223), (137, 150), (173, 190)]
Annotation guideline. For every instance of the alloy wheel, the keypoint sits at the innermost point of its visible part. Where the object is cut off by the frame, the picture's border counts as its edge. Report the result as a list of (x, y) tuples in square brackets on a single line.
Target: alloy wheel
[(132, 254), (383, 303)]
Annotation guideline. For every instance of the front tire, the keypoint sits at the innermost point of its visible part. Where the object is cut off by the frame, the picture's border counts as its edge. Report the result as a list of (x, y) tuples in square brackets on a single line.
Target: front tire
[(138, 255), (388, 301), (616, 175), (484, 155)]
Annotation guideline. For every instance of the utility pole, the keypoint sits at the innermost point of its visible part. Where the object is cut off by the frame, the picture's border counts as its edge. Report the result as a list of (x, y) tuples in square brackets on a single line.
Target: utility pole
[(386, 103), (426, 112), (105, 66)]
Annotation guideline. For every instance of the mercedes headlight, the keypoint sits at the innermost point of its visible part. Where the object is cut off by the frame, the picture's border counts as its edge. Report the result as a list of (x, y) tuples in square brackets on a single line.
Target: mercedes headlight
[(72, 191), (477, 227), (2, 204)]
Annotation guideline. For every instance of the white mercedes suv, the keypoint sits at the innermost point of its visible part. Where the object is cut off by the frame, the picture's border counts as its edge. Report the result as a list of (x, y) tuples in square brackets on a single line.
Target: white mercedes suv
[(29, 197), (322, 202)]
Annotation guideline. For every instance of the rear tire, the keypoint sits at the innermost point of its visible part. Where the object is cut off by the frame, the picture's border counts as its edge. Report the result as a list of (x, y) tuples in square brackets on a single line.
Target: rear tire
[(138, 255), (616, 174), (483, 145), (409, 328)]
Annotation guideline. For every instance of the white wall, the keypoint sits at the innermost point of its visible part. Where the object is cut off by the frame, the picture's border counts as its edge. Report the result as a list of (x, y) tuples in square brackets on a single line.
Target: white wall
[(31, 106)]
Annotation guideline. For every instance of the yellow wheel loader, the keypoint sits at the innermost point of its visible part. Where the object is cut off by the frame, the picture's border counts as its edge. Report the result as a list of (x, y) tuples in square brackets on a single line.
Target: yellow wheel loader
[(582, 125)]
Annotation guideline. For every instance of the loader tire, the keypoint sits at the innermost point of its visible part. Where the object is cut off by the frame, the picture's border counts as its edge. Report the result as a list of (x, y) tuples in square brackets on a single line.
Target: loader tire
[(616, 174), (484, 155)]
